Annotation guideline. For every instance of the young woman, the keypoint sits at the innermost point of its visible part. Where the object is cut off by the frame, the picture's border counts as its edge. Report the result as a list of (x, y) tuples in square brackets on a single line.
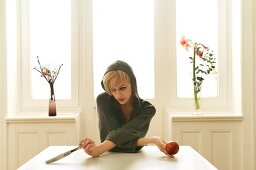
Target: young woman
[(124, 117)]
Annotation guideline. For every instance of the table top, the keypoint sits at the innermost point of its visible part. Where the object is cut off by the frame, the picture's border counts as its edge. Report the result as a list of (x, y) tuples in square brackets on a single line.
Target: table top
[(149, 158)]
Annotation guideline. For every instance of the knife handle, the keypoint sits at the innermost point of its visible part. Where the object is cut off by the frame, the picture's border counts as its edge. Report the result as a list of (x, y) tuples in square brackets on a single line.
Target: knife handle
[(73, 150)]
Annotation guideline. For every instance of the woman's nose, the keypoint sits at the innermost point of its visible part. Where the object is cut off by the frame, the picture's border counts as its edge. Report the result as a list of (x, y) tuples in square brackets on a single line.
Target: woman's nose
[(118, 93)]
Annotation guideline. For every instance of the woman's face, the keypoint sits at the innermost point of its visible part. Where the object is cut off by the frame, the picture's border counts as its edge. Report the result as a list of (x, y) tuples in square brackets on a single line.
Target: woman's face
[(122, 92)]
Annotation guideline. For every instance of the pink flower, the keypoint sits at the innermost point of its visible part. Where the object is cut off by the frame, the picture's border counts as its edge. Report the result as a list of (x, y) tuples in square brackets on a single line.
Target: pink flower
[(199, 52), (185, 43), (49, 75)]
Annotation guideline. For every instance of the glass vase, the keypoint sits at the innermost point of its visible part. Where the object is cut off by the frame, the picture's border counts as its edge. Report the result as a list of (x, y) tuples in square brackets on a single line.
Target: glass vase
[(197, 110), (52, 102), (197, 104), (52, 108)]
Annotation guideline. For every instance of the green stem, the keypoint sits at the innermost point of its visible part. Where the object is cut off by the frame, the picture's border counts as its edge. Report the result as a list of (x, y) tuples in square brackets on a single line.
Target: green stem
[(196, 100), (52, 97)]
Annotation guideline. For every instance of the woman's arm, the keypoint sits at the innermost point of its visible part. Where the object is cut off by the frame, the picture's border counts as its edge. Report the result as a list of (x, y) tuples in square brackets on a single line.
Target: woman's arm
[(159, 142), (101, 148), (94, 150), (127, 135)]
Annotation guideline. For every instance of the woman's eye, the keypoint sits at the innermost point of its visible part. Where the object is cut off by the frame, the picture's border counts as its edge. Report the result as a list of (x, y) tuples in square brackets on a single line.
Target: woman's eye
[(122, 88)]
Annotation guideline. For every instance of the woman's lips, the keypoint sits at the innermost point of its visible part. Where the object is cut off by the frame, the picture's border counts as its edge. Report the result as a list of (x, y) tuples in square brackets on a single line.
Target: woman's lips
[(121, 100)]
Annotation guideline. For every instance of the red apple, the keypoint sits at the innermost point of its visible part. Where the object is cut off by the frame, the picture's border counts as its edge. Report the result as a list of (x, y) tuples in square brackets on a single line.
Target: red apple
[(172, 148)]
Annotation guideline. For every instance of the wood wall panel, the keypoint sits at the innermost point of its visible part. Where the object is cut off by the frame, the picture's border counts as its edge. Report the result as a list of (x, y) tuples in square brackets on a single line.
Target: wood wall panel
[(55, 138), (222, 149), (218, 139), (191, 138), (26, 146), (27, 137)]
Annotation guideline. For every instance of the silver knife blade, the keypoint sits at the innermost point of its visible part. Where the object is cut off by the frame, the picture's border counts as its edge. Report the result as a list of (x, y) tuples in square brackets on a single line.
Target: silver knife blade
[(63, 155)]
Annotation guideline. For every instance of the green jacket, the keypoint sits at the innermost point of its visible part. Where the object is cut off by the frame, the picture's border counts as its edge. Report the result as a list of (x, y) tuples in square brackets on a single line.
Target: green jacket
[(112, 124)]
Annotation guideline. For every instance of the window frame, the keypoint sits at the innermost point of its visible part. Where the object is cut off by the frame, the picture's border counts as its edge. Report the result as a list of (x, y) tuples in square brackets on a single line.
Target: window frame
[(25, 103), (222, 103)]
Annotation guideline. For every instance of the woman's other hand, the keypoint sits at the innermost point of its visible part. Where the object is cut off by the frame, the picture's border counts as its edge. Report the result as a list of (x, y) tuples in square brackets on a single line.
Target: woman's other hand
[(161, 144)]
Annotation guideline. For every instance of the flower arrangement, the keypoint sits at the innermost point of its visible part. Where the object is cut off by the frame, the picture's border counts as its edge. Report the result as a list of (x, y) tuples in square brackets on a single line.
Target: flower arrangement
[(49, 75), (203, 63)]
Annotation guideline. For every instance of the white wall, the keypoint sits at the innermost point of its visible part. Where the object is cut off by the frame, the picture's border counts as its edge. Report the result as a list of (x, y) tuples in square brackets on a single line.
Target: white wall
[(2, 87), (254, 84), (248, 87)]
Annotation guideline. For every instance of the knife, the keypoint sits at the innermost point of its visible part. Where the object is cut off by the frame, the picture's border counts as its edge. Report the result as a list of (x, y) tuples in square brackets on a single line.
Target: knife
[(63, 155)]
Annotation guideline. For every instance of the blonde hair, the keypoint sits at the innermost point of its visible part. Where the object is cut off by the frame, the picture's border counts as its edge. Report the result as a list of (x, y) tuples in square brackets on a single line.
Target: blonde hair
[(114, 78)]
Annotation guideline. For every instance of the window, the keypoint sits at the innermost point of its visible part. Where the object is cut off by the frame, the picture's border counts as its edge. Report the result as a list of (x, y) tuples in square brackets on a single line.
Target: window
[(50, 39), (49, 35), (124, 30), (210, 23), (87, 36), (193, 23)]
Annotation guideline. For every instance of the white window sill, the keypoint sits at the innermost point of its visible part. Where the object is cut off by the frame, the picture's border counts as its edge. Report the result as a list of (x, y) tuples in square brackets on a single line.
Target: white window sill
[(42, 118), (175, 117)]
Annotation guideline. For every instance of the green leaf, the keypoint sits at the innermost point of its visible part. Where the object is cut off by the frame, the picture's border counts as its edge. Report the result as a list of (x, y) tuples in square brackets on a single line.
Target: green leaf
[(200, 78)]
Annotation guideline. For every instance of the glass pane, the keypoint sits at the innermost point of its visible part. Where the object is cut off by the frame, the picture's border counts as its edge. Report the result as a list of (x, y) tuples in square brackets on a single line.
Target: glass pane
[(50, 39), (124, 30), (197, 20)]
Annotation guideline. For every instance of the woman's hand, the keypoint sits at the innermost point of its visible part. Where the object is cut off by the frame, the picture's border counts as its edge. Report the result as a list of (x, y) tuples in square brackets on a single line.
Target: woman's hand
[(161, 144), (87, 144), (94, 150)]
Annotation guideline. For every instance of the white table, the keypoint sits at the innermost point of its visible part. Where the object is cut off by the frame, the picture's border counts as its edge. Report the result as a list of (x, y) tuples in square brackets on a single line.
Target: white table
[(149, 158)]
